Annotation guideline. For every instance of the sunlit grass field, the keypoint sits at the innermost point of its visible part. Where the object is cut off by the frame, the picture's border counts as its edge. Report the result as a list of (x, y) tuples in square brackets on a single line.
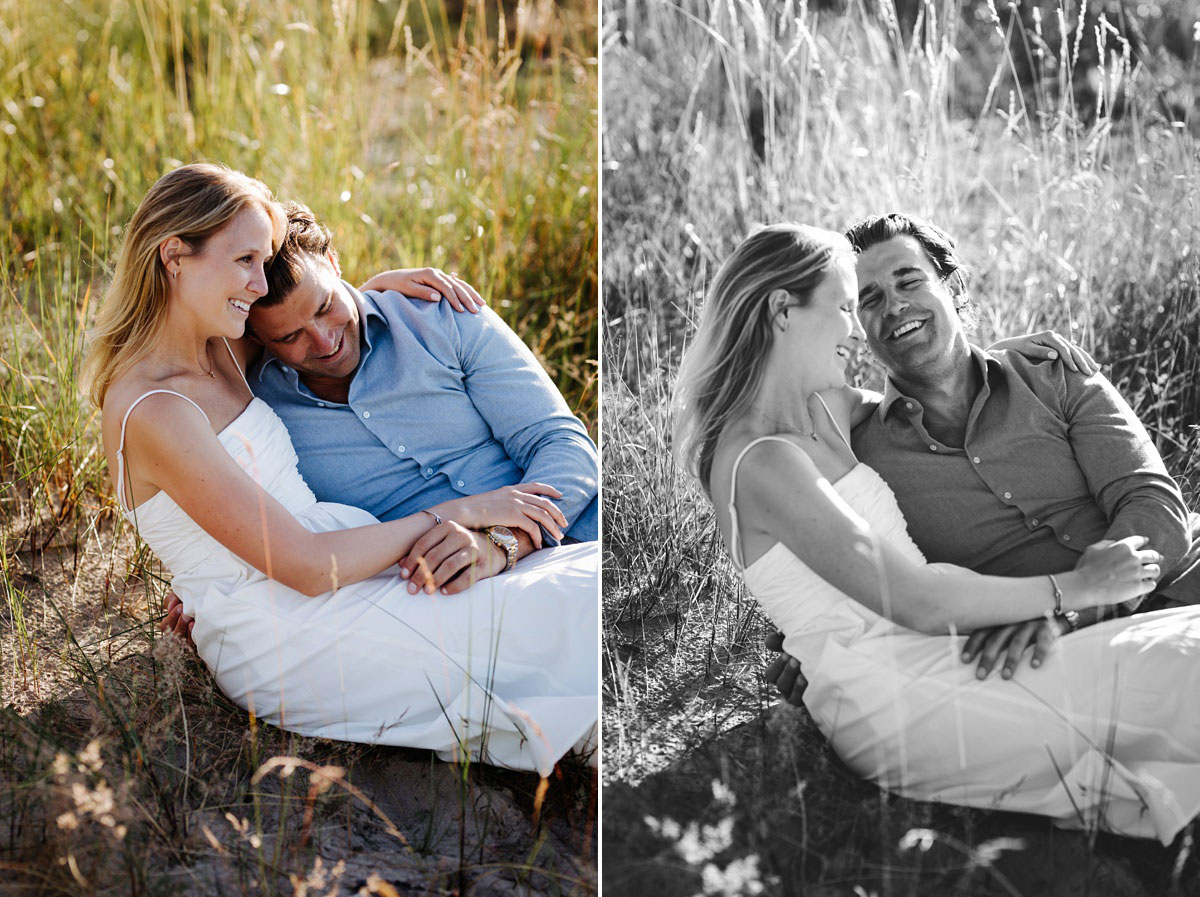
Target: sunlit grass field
[(1074, 200), (461, 135)]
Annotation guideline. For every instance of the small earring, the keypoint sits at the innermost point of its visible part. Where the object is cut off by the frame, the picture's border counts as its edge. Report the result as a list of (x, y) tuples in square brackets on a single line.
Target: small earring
[(175, 274)]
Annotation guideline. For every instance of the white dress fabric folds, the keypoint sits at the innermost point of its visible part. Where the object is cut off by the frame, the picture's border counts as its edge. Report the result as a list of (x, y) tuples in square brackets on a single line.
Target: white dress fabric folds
[(1105, 734), (505, 672)]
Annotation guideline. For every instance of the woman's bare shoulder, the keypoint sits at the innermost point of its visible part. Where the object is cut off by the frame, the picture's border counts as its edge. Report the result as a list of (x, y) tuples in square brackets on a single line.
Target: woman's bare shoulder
[(772, 456), (127, 395)]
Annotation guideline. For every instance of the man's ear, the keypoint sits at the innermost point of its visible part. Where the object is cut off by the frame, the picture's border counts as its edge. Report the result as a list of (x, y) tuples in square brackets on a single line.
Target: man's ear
[(332, 255)]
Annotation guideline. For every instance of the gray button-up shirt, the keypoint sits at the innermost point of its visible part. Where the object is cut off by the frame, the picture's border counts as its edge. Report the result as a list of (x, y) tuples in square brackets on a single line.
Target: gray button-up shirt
[(443, 404), (1052, 462)]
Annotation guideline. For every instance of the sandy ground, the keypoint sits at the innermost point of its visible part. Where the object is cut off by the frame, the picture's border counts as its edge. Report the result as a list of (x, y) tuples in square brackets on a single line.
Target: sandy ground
[(181, 761)]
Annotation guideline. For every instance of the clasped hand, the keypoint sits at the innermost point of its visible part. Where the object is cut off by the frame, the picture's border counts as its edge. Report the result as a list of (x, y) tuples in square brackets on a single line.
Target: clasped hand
[(1110, 572), (453, 555)]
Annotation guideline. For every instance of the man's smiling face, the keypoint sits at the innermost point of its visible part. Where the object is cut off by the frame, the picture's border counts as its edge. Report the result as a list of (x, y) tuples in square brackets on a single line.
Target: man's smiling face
[(316, 328), (905, 306)]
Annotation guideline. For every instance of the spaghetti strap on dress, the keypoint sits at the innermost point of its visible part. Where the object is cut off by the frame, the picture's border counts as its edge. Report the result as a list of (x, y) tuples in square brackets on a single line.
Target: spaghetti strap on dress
[(735, 531), (121, 444)]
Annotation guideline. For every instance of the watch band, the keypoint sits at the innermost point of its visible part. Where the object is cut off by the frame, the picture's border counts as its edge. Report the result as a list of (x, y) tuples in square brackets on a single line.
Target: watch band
[(508, 546)]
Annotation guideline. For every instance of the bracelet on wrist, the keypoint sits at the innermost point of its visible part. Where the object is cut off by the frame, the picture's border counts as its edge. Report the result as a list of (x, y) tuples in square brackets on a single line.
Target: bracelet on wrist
[(1068, 618), (436, 519), (1058, 595)]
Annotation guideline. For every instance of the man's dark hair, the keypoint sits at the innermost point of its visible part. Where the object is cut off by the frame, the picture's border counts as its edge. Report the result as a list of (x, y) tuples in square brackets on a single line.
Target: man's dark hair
[(305, 236), (937, 244)]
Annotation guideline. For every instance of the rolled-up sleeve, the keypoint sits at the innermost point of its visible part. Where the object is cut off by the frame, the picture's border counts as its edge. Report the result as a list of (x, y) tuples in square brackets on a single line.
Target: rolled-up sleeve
[(1123, 468), (527, 414)]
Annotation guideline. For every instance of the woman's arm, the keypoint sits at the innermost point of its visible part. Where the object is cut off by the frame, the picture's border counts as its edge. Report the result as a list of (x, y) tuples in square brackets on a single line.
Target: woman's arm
[(783, 495), (1049, 345), (174, 449), (432, 284)]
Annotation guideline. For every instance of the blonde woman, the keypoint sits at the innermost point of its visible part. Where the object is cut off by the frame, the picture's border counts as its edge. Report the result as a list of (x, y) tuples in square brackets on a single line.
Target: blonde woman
[(763, 412), (305, 620)]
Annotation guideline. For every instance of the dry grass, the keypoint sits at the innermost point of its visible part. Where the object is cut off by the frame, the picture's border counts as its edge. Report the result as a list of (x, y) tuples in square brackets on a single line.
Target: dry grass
[(1074, 215), (122, 770)]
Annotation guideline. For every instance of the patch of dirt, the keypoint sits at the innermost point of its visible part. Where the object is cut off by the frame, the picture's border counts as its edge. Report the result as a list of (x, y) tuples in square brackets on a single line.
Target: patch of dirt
[(122, 766), (766, 807)]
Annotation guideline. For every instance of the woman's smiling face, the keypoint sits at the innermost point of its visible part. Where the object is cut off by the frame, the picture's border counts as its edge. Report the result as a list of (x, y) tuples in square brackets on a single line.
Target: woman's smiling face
[(821, 335), (226, 276)]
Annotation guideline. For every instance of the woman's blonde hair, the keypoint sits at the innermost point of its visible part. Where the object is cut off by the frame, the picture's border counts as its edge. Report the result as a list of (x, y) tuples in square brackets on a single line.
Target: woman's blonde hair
[(723, 368), (192, 202)]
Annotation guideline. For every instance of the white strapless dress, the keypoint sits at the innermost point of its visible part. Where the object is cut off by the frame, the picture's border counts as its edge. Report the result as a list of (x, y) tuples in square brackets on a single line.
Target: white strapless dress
[(505, 672), (1106, 734)]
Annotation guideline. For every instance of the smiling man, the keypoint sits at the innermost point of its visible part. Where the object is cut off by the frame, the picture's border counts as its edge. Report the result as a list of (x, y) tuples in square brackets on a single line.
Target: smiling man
[(396, 404), (1003, 464)]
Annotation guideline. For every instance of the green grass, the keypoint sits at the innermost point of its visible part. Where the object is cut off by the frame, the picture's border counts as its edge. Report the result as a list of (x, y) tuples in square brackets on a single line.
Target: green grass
[(460, 135), (722, 115)]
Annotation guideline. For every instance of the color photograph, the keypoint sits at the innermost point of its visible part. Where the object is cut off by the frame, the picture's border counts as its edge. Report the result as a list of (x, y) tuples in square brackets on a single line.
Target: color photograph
[(299, 400), (901, 431)]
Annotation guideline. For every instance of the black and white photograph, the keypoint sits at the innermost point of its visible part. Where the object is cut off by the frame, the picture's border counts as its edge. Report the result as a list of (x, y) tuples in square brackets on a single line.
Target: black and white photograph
[(901, 422)]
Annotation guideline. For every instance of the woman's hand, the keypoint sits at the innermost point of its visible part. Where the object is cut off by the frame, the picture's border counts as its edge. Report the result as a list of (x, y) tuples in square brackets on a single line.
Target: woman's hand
[(432, 284), (451, 557), (520, 506), (1048, 344), (1114, 572)]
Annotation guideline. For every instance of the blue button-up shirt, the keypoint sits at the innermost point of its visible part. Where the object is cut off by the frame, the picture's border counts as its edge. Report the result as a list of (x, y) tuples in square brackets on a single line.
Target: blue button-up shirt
[(442, 405)]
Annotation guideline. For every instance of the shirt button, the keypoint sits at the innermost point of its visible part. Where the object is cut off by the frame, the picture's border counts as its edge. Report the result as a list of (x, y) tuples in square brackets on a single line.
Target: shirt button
[(366, 414), (1066, 537), (1034, 522), (1008, 495), (933, 448), (400, 448), (460, 484), (321, 404), (976, 459), (908, 405), (428, 471)]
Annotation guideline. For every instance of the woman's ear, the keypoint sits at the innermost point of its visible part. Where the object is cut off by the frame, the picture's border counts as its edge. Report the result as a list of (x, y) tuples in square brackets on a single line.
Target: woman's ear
[(170, 251), (779, 300)]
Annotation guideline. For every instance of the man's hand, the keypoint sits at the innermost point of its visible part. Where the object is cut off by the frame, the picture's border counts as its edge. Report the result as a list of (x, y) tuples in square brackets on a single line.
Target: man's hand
[(451, 557), (176, 621), (1010, 643), (785, 672)]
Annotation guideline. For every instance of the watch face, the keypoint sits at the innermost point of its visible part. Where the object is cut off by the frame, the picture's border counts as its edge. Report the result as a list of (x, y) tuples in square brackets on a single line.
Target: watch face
[(502, 534)]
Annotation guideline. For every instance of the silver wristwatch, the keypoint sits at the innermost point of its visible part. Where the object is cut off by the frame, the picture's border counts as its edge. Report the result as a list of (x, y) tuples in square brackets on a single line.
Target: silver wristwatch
[(502, 537)]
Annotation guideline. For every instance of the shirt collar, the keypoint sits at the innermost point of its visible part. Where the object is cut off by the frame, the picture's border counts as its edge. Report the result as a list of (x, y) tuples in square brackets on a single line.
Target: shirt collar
[(368, 310), (987, 363)]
